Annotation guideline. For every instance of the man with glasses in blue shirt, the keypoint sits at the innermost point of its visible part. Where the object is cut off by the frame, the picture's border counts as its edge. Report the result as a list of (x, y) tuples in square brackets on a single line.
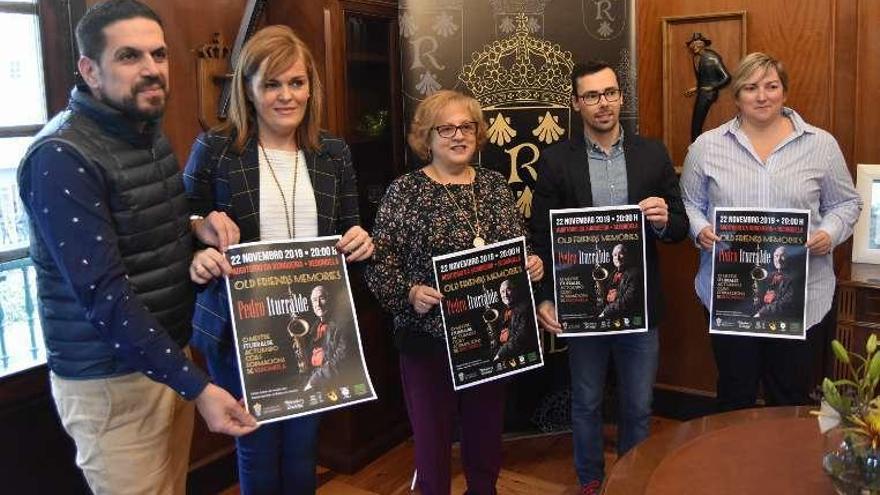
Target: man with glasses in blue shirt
[(602, 167)]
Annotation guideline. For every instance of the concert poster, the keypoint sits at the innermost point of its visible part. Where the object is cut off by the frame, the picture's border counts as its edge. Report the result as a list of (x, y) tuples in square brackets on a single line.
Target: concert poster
[(296, 332), (760, 269), (488, 313), (599, 277)]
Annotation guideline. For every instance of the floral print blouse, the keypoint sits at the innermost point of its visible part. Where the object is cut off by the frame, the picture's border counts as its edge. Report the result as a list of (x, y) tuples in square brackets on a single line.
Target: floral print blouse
[(418, 219)]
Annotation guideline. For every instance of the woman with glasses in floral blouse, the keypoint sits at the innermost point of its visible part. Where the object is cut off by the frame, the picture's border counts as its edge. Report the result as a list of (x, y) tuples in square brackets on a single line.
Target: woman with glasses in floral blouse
[(446, 206)]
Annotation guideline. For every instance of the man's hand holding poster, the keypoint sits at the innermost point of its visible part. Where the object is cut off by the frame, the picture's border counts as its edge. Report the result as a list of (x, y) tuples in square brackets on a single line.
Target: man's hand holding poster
[(295, 328), (599, 274), (759, 272), (488, 312)]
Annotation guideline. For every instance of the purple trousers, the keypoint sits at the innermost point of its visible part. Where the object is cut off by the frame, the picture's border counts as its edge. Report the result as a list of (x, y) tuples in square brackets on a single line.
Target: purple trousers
[(433, 407)]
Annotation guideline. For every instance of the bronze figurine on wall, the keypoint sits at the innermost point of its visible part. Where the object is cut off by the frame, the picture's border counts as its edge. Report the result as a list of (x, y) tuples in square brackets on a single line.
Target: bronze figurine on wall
[(711, 76)]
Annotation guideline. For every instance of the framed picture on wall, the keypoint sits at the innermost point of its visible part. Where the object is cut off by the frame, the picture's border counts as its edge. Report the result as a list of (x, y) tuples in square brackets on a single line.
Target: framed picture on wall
[(707, 48), (866, 239)]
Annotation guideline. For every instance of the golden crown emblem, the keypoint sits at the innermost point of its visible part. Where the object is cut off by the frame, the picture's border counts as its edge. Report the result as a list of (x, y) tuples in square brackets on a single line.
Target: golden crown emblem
[(519, 68)]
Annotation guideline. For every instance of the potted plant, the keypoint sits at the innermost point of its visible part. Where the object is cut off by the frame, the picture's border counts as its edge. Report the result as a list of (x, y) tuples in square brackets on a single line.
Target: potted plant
[(850, 419)]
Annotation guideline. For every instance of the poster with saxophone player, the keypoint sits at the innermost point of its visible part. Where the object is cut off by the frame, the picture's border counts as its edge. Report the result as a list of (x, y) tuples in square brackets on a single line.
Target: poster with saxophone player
[(488, 312), (296, 332), (599, 276), (759, 272)]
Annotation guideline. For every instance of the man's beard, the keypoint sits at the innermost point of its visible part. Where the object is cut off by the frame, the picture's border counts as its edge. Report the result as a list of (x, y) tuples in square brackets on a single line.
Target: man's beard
[(129, 107)]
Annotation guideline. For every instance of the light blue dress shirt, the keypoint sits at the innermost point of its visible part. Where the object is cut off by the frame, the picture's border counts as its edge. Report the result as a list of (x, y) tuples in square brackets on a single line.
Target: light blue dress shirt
[(607, 173), (805, 171)]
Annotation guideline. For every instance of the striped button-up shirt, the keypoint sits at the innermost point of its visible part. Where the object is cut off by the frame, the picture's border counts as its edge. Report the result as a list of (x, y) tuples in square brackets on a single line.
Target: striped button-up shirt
[(806, 171)]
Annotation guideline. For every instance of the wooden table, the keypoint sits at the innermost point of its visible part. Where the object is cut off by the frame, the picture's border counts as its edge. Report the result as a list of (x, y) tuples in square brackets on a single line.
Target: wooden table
[(766, 450)]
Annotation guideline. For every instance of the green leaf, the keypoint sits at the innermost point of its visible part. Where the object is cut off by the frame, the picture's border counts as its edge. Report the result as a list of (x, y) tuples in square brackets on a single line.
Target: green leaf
[(874, 368), (839, 351), (844, 381), (829, 391), (871, 346), (827, 385)]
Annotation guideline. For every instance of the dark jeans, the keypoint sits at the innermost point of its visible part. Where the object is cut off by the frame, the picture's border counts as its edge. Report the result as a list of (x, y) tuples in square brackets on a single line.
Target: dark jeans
[(785, 368), (278, 458), (635, 363), (433, 406)]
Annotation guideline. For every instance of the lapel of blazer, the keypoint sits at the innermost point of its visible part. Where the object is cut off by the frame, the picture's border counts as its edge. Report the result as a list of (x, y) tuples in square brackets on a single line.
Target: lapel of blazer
[(633, 182), (244, 187), (323, 175)]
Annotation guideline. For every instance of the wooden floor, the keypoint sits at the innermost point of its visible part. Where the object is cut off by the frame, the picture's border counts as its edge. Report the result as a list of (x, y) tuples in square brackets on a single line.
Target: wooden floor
[(535, 464)]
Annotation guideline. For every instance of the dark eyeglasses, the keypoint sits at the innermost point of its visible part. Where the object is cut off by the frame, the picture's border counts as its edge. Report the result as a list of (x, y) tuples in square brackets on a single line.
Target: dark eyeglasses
[(592, 98), (449, 130)]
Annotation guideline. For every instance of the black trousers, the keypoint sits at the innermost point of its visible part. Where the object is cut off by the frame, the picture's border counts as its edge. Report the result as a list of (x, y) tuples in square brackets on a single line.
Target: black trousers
[(786, 369)]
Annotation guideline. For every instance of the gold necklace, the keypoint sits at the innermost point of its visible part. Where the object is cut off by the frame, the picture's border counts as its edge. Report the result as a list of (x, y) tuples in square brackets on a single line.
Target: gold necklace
[(478, 238), (291, 227)]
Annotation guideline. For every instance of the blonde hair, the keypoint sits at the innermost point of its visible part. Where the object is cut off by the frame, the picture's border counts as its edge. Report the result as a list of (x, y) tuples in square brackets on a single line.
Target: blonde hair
[(425, 118), (752, 63), (273, 49)]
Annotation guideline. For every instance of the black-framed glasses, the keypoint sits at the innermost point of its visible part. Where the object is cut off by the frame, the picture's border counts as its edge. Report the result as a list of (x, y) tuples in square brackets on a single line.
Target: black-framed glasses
[(449, 130), (592, 97)]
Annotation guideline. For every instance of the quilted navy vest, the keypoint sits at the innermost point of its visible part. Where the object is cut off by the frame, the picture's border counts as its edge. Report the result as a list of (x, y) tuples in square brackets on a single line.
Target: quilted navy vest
[(146, 198)]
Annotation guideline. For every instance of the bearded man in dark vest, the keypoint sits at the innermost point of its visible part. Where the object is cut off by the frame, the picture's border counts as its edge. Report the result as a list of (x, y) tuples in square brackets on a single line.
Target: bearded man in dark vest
[(111, 242)]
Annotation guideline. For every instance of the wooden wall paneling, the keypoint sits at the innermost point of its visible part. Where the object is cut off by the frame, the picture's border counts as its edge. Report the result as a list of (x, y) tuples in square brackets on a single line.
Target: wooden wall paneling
[(334, 38), (801, 37), (843, 101), (649, 51), (845, 59), (867, 75), (686, 363)]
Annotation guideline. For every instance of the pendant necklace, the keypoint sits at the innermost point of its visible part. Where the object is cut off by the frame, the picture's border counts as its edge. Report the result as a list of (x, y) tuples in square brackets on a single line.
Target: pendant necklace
[(291, 227), (479, 241)]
